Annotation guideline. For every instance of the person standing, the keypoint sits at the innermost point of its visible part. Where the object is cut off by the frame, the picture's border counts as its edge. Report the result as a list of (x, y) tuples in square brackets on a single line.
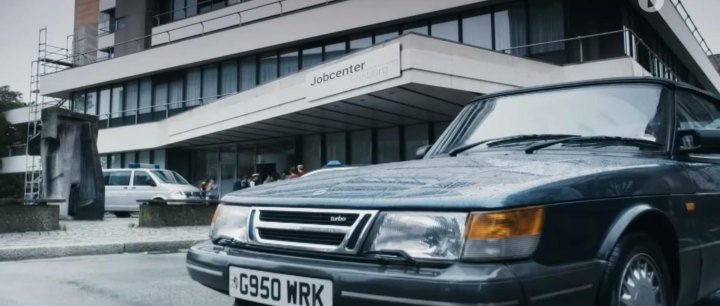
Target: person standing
[(203, 189), (293, 173), (255, 180), (301, 169), (212, 190)]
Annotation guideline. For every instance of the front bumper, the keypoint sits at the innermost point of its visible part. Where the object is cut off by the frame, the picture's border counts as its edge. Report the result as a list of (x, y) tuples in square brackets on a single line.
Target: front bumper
[(460, 284)]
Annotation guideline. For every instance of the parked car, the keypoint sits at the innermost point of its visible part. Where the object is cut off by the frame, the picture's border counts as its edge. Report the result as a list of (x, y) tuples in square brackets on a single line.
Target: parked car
[(123, 187), (595, 193)]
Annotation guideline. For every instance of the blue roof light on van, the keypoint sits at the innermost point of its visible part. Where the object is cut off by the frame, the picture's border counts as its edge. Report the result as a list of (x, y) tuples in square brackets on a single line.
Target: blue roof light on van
[(143, 166)]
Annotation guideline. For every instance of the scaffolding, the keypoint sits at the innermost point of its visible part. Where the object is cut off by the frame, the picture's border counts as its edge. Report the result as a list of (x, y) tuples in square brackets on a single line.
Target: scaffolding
[(49, 59)]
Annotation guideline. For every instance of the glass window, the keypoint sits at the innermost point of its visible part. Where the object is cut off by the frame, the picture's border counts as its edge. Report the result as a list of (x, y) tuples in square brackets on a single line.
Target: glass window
[(477, 31), (210, 83), (176, 94), (129, 158), (104, 164), (144, 157), (145, 95), (229, 77), (696, 112), (169, 177), (117, 178), (416, 136), (335, 147), (193, 86), (334, 50), (192, 8), (386, 34), (142, 178), (511, 28), (117, 102), (311, 152), (91, 102), (268, 67), (361, 147), (388, 140), (104, 104), (288, 62), (248, 73), (178, 9), (311, 57), (417, 27), (79, 102), (159, 158), (446, 29), (547, 23), (161, 97), (632, 111), (359, 43), (115, 161)]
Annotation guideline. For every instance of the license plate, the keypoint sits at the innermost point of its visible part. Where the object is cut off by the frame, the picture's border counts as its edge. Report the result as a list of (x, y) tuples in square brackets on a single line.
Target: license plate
[(279, 289)]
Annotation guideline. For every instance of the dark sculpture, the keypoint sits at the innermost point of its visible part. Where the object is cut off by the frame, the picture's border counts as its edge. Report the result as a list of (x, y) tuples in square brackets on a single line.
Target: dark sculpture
[(71, 164)]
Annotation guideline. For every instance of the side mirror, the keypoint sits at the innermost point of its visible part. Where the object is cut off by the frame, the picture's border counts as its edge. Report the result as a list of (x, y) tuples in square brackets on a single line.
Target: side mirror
[(698, 141), (422, 151)]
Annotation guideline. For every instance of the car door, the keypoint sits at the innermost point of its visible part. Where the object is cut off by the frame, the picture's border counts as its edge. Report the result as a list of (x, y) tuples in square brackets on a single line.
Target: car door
[(699, 112), (117, 184), (143, 187)]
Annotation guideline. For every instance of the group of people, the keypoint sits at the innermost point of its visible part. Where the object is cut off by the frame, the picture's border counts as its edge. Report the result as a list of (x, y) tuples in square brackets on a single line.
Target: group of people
[(256, 179), (209, 189)]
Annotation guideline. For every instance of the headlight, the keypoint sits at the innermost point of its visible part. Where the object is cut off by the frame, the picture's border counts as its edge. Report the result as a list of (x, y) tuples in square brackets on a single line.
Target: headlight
[(230, 222), (420, 235), (178, 194), (479, 236)]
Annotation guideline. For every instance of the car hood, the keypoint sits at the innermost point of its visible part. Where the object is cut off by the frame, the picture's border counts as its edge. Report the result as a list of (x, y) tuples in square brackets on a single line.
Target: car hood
[(482, 180)]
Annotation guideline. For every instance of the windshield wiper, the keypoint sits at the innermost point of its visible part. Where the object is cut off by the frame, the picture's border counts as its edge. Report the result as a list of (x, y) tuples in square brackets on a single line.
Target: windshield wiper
[(605, 140), (510, 139)]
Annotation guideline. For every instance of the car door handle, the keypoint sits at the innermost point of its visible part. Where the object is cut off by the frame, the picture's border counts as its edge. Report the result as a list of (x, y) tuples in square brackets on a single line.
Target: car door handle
[(125, 188)]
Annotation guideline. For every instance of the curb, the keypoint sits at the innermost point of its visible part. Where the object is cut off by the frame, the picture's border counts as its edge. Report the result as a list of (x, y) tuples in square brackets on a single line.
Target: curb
[(23, 253)]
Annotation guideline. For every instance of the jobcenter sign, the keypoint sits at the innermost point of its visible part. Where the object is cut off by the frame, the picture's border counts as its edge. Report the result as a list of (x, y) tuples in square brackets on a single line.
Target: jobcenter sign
[(361, 70)]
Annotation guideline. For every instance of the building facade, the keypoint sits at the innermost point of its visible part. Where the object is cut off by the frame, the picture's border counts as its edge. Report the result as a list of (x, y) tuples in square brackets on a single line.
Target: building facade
[(224, 89)]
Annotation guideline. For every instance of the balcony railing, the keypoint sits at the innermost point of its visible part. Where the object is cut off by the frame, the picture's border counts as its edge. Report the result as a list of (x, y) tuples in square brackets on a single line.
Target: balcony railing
[(14, 150), (577, 51)]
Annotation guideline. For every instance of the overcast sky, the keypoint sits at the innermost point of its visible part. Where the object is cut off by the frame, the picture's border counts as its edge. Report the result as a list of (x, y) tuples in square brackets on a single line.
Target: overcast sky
[(21, 19)]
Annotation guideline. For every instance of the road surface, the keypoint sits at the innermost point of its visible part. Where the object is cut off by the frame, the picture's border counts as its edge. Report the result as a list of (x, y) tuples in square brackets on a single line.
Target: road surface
[(107, 280)]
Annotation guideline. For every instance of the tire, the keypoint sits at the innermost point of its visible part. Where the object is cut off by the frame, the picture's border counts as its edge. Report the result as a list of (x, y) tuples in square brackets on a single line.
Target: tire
[(122, 214), (636, 252)]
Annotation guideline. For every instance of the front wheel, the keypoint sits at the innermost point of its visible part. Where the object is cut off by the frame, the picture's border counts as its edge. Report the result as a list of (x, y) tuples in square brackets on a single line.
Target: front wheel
[(637, 274)]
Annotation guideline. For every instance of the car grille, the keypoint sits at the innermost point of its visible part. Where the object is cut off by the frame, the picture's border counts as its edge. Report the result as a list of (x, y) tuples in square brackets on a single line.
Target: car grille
[(326, 230), (301, 237)]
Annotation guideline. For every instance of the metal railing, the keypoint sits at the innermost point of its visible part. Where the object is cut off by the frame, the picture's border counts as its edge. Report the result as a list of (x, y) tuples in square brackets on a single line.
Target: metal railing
[(169, 14), (90, 57), (680, 7), (633, 45)]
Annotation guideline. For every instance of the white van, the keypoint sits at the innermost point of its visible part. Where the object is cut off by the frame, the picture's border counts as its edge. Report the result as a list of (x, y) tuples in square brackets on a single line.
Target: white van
[(123, 187)]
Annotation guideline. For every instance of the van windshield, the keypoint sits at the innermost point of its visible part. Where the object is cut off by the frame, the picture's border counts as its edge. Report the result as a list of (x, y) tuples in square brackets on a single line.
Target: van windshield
[(170, 177)]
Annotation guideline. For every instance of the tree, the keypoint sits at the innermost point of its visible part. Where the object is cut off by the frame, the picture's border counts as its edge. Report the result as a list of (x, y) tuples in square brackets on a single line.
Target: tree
[(11, 185)]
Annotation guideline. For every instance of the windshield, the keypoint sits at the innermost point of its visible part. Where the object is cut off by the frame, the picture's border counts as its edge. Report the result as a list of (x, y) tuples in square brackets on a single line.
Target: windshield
[(169, 177), (629, 111)]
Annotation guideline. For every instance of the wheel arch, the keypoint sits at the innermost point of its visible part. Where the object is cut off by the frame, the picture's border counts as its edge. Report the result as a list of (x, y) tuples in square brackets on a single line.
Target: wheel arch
[(652, 221)]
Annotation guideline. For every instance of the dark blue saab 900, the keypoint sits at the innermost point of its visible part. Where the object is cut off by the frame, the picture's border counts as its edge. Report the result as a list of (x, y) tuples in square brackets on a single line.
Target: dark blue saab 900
[(595, 193)]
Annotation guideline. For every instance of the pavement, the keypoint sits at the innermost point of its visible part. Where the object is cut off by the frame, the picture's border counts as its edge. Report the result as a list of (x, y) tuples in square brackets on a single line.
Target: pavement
[(104, 280), (110, 236)]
